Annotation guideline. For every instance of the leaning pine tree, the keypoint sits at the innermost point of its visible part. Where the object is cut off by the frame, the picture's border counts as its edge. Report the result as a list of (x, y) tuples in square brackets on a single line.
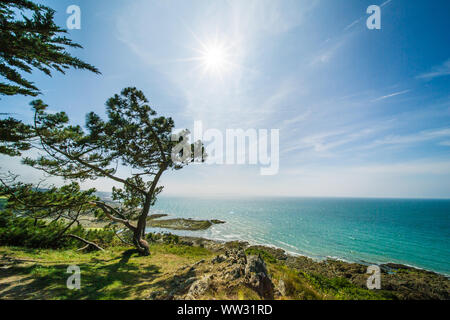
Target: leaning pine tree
[(133, 136)]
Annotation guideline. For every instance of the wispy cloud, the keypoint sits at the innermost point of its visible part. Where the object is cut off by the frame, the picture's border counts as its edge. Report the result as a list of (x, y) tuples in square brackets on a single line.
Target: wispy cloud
[(422, 166), (229, 99), (300, 118), (385, 3), (394, 179), (437, 71), (391, 95), (353, 23), (326, 54), (422, 136), (326, 141)]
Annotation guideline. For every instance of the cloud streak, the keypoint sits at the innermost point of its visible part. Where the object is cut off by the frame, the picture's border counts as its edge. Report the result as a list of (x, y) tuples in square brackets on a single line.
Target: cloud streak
[(436, 72), (422, 136), (391, 95)]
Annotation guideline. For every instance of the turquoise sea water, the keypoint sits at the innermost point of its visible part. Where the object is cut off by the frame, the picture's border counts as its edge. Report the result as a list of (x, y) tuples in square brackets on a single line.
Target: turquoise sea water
[(412, 232)]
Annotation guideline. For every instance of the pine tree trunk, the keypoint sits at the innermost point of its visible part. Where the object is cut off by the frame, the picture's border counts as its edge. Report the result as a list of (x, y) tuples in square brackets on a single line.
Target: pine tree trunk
[(139, 234), (140, 243)]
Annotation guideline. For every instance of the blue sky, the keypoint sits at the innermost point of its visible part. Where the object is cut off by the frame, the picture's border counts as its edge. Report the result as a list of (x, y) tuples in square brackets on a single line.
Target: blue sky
[(361, 113)]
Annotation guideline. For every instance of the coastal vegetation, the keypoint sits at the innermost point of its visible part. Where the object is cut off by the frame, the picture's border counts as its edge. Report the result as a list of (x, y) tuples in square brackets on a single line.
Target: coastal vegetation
[(46, 229), (195, 268), (34, 258)]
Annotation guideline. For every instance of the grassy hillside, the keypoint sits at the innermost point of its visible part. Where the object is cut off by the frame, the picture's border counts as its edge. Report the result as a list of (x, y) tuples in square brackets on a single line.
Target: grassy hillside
[(34, 262), (119, 273)]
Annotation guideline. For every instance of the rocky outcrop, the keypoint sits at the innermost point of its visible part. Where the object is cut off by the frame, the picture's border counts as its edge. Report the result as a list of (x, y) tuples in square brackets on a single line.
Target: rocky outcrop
[(228, 271), (250, 271), (180, 223), (282, 288), (219, 259), (258, 278), (199, 287)]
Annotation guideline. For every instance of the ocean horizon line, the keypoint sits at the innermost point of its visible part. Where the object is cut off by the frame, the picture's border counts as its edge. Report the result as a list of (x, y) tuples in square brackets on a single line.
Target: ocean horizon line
[(197, 196)]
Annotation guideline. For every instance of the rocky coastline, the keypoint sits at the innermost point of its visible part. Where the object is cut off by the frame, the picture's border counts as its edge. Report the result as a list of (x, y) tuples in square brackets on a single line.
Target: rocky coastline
[(240, 263)]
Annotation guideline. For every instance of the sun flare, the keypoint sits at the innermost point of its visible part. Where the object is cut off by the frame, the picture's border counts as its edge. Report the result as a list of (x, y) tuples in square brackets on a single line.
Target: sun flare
[(215, 59)]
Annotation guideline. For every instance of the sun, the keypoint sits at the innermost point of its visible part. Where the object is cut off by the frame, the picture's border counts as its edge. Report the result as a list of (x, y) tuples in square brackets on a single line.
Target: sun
[(215, 58)]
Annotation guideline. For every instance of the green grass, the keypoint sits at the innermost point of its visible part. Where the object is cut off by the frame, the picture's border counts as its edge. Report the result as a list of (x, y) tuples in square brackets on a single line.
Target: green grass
[(297, 287), (119, 273), (343, 289), (268, 258), (181, 250), (308, 286)]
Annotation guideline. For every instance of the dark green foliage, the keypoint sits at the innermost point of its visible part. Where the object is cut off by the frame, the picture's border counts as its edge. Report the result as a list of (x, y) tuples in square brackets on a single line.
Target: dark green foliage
[(14, 137), (69, 202), (130, 137), (29, 40), (167, 238), (262, 253), (27, 232), (44, 218), (342, 288), (32, 41), (296, 285)]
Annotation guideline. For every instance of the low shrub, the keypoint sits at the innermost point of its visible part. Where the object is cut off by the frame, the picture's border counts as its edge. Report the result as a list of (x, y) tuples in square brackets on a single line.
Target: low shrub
[(342, 288), (31, 233), (267, 257), (166, 238)]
